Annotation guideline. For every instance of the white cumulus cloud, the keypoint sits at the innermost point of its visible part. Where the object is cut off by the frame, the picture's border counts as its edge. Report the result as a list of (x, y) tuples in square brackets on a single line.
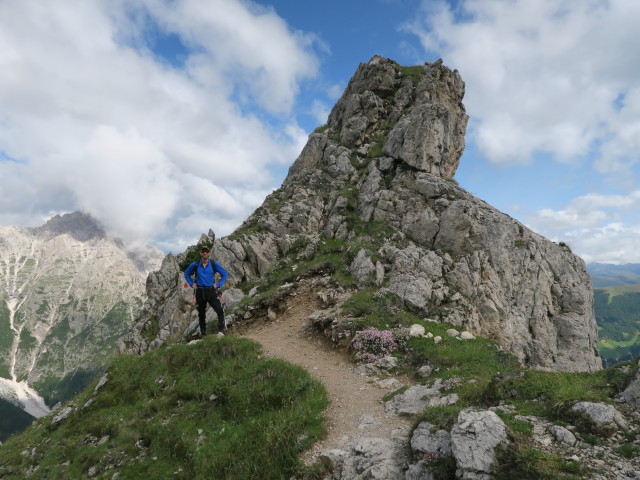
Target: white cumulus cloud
[(601, 228), (94, 119), (542, 75)]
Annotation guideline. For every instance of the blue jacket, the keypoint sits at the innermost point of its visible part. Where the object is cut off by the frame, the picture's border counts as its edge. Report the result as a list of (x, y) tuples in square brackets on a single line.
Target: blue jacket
[(205, 276)]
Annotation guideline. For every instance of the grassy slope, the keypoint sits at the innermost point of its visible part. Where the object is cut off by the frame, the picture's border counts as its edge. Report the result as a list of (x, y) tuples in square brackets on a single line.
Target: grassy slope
[(210, 410)]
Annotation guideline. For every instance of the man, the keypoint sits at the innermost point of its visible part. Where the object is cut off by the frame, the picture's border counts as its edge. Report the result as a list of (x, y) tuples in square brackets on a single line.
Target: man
[(206, 290)]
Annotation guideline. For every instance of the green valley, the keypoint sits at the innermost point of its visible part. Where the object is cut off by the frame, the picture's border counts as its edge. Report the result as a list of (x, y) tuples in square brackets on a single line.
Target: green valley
[(617, 311)]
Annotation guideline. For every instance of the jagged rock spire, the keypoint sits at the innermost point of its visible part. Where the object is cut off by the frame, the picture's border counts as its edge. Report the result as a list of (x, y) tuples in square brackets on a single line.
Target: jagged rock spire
[(379, 174)]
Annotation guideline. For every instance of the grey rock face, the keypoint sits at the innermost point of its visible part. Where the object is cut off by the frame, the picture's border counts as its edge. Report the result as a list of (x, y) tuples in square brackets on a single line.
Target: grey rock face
[(606, 419), (417, 398), (386, 158), (370, 459), (362, 267), (424, 440), (632, 393), (431, 120), (474, 439)]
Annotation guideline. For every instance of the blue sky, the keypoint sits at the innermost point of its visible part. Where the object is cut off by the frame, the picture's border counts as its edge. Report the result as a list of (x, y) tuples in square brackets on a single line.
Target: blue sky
[(164, 118)]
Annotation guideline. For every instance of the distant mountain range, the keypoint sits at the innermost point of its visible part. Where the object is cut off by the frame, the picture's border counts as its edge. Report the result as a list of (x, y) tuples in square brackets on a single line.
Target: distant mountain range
[(68, 293), (609, 275)]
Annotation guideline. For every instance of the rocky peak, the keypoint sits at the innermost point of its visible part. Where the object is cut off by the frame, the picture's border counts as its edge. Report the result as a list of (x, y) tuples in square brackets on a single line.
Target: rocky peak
[(414, 113), (67, 294), (79, 225), (377, 182)]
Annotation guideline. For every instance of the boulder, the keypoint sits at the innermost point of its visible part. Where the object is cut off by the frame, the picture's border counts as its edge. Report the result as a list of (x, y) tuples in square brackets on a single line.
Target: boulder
[(368, 459), (604, 419), (417, 398), (425, 439), (474, 439), (631, 394)]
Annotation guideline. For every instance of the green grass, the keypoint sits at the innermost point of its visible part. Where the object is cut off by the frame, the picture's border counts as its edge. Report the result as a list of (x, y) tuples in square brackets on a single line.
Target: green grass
[(628, 450), (415, 73), (215, 409), (524, 462), (321, 128)]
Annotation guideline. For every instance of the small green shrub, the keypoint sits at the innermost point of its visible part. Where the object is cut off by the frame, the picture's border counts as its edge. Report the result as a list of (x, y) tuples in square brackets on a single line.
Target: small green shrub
[(591, 439), (443, 416), (516, 426), (566, 246), (627, 450), (192, 255), (375, 151), (414, 72), (523, 461)]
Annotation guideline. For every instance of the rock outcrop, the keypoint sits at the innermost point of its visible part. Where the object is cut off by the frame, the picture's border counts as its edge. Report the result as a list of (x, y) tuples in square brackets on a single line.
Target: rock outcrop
[(379, 178)]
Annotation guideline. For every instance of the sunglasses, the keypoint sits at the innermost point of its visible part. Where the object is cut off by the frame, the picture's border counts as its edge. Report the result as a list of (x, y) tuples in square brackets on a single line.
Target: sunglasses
[(205, 250)]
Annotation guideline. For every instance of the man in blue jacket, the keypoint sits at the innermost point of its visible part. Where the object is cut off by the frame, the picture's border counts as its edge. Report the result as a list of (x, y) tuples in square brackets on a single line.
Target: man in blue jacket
[(206, 289)]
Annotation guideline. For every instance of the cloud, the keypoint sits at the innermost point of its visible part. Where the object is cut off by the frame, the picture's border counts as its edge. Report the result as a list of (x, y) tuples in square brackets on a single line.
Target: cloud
[(613, 243), (543, 75), (95, 119), (599, 228), (320, 111)]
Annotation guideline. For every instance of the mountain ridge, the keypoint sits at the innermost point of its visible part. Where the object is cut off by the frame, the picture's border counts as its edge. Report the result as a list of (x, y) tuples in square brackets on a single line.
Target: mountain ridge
[(68, 293), (611, 275), (378, 180)]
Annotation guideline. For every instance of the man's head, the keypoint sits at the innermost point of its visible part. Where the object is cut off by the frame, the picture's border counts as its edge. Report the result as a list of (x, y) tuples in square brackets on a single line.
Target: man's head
[(205, 248)]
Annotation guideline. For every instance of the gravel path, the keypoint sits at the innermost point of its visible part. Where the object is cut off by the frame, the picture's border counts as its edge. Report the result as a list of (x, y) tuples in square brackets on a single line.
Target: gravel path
[(355, 408)]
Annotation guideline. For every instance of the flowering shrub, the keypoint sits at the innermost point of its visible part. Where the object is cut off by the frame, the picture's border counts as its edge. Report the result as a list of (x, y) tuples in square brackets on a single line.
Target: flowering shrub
[(401, 336), (372, 344)]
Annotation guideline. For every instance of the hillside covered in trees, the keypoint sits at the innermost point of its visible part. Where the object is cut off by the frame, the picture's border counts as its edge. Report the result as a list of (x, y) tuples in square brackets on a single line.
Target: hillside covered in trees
[(617, 311)]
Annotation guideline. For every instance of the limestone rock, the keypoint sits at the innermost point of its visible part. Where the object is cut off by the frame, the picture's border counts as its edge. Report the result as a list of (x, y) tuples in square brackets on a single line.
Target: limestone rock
[(368, 459), (61, 415), (474, 439), (417, 398), (605, 419), (416, 330), (424, 440), (632, 393), (362, 267), (563, 435)]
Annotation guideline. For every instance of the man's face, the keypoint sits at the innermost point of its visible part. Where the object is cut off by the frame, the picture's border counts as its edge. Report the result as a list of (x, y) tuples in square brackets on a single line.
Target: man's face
[(204, 252)]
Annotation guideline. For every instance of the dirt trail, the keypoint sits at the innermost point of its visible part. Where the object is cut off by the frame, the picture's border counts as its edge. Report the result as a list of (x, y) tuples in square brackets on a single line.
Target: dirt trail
[(355, 408)]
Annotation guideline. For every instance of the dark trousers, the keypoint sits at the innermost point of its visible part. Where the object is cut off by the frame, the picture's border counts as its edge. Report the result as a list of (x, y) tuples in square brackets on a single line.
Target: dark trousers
[(209, 296)]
